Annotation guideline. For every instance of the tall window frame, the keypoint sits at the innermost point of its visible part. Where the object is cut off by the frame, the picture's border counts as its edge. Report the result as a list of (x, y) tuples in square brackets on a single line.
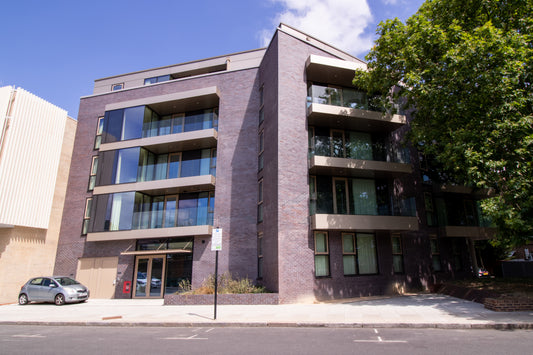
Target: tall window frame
[(92, 174), (260, 202), (349, 254), (436, 263), (99, 131), (260, 160), (341, 196), (260, 255), (397, 253), (261, 104), (86, 216), (322, 268)]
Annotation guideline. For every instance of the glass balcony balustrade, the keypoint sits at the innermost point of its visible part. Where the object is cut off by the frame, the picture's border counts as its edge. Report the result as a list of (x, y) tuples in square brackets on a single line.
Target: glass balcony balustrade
[(355, 145), (139, 164), (347, 196), (135, 210), (460, 212), (344, 97)]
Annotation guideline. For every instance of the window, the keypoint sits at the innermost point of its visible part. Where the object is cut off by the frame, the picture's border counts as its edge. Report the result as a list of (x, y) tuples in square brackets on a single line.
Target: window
[(260, 202), (397, 254), (340, 193), (116, 87), (430, 211), (321, 254), (366, 253), (261, 105), (312, 195), (87, 215), (213, 164), (261, 149), (156, 79), (99, 130), (456, 253), (349, 261), (435, 254), (92, 176), (260, 256)]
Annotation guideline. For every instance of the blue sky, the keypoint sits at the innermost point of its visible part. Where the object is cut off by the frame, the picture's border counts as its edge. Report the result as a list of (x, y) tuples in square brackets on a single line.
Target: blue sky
[(57, 48)]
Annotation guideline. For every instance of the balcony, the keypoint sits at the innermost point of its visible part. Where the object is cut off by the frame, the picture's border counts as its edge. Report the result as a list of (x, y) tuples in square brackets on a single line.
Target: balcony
[(162, 187), (330, 70), (348, 109), (138, 169), (320, 165), (200, 139), (363, 223), (135, 215)]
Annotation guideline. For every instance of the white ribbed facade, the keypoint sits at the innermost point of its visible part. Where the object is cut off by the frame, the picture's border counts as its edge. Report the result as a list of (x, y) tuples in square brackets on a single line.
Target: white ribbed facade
[(31, 136)]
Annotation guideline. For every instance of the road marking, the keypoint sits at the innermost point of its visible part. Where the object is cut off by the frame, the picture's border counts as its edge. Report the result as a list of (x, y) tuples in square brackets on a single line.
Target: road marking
[(28, 336), (380, 341), (208, 330), (379, 338), (375, 331), (192, 337)]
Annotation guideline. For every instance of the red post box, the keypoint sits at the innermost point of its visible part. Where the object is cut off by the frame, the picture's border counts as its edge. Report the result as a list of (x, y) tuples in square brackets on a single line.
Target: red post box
[(127, 287)]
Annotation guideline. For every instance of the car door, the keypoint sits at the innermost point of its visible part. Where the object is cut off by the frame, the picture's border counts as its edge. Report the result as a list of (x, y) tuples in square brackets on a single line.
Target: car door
[(34, 289), (48, 290)]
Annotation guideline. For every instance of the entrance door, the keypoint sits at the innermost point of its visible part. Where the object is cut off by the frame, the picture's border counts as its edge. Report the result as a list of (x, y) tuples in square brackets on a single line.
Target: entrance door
[(149, 271)]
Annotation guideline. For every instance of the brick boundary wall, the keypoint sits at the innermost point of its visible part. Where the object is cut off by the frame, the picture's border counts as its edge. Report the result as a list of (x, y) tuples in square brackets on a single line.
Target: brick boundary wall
[(491, 300), (508, 304), (223, 299)]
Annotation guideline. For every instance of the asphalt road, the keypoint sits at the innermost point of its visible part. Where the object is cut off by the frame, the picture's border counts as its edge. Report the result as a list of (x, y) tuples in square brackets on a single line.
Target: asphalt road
[(18, 339)]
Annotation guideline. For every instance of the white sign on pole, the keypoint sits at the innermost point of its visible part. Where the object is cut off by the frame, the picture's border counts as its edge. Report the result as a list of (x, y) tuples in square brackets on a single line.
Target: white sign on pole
[(216, 239)]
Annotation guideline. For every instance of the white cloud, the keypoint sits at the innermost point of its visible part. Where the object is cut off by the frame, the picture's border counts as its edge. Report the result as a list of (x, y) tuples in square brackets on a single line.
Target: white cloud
[(340, 23)]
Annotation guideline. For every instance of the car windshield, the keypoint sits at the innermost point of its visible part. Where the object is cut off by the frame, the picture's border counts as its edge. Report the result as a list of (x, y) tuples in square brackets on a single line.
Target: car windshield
[(66, 281)]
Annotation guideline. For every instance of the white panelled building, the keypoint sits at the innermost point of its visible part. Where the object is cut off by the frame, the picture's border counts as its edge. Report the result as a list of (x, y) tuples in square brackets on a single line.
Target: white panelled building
[(36, 141)]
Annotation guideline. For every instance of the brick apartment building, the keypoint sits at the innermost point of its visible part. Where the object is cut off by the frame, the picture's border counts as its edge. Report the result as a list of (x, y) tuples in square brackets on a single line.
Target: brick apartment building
[(316, 196)]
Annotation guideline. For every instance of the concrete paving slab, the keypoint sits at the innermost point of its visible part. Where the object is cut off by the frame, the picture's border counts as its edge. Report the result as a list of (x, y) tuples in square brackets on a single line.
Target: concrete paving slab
[(415, 311)]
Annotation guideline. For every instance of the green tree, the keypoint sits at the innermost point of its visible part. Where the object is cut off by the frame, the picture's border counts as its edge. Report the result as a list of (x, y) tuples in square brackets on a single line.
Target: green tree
[(465, 68)]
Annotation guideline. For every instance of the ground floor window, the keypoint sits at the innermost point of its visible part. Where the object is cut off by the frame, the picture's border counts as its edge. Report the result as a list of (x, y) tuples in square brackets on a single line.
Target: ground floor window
[(435, 254), (397, 254), (321, 254), (359, 254)]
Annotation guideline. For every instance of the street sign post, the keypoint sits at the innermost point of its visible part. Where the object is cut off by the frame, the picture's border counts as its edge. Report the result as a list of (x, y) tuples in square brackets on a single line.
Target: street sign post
[(216, 246)]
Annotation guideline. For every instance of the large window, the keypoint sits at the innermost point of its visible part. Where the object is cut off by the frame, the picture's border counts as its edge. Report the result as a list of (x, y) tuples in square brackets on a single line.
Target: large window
[(359, 254), (321, 254), (366, 253), (260, 160), (354, 196)]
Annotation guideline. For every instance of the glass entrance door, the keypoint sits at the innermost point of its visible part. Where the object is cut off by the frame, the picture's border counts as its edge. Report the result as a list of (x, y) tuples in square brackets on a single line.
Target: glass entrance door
[(149, 271)]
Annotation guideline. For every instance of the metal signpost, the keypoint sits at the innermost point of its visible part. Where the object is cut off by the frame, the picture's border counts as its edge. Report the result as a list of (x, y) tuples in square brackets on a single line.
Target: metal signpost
[(216, 246)]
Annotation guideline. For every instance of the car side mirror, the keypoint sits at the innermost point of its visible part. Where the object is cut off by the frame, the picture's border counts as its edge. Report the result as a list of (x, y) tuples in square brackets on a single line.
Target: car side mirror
[(53, 285)]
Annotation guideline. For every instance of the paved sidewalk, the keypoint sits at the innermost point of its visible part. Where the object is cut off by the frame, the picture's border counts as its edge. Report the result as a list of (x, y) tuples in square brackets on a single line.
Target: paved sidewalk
[(414, 311)]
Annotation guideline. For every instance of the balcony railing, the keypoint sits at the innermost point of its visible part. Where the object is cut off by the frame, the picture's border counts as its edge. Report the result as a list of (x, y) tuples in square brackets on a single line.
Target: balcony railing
[(343, 97), (134, 210), (360, 146)]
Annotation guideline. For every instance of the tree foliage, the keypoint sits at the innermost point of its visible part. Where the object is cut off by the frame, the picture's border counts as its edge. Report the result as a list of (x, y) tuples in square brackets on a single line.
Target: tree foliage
[(465, 68)]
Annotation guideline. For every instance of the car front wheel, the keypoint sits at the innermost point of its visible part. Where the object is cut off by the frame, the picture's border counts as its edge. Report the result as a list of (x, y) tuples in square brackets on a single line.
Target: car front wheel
[(23, 299), (59, 299)]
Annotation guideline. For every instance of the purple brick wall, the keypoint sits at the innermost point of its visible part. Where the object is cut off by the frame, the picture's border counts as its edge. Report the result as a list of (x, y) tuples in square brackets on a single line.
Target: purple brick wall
[(236, 187)]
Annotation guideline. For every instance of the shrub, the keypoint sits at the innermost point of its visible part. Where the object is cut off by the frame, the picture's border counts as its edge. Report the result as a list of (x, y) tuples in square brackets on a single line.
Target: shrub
[(226, 284)]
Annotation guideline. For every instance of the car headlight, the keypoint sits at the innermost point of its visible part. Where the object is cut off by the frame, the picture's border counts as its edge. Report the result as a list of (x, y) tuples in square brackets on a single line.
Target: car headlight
[(71, 291)]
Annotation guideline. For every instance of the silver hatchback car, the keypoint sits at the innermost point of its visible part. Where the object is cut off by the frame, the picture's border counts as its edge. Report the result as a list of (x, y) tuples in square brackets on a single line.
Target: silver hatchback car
[(56, 289)]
